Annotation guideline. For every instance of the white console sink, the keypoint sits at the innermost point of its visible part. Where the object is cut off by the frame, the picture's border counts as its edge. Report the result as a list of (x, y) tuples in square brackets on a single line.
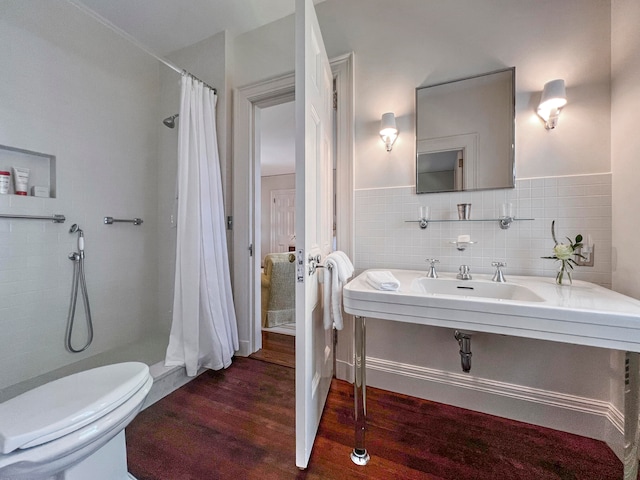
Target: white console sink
[(448, 284), (533, 307)]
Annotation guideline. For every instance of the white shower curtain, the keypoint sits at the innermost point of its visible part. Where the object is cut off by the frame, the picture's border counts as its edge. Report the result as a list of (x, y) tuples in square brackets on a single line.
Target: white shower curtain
[(204, 331)]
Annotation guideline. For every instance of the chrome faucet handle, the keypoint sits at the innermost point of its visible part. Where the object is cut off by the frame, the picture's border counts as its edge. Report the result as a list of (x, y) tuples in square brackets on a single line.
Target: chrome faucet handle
[(464, 273), (432, 268), (498, 276)]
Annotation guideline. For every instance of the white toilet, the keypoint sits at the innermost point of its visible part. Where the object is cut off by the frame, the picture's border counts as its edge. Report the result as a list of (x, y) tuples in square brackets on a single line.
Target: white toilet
[(73, 428)]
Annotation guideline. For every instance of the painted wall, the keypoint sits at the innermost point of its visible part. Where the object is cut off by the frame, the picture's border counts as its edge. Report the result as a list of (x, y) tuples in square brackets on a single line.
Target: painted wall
[(625, 143), (72, 88), (625, 152), (425, 43), (563, 174), (263, 53)]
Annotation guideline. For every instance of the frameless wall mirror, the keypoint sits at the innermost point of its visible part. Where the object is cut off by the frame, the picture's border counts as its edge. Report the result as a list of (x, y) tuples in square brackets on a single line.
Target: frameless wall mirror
[(465, 133)]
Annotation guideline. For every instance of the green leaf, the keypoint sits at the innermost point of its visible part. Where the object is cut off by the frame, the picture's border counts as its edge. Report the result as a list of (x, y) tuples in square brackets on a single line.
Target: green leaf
[(578, 238), (553, 231)]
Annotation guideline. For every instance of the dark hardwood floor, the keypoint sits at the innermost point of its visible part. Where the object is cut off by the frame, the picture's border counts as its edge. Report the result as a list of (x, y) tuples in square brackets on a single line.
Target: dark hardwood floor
[(239, 424), (277, 348)]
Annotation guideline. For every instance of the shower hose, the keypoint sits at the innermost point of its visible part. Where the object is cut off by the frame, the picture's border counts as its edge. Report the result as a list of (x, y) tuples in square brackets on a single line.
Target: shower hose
[(79, 282)]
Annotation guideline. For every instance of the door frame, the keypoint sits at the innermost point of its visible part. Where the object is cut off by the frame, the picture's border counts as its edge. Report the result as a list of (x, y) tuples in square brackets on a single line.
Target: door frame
[(246, 186)]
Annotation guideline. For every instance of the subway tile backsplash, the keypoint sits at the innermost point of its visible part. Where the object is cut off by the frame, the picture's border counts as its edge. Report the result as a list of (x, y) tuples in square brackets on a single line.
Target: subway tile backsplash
[(579, 204)]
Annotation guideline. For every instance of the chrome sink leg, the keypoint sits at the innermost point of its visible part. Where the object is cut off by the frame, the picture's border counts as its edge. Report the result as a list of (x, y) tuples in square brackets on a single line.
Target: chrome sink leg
[(631, 385), (359, 455)]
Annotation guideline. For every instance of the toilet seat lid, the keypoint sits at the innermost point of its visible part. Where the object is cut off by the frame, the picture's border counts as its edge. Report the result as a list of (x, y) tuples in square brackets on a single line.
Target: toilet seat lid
[(67, 404)]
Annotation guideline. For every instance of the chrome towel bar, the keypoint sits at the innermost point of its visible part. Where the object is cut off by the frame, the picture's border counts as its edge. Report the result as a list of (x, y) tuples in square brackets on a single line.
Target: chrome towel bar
[(110, 220), (55, 218)]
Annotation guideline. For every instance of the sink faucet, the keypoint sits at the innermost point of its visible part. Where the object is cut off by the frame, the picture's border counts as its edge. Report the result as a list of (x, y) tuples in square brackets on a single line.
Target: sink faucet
[(498, 276), (464, 273), (432, 268)]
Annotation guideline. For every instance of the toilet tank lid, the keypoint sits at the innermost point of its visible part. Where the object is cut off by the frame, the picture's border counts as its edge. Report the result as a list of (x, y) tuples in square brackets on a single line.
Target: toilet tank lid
[(67, 404)]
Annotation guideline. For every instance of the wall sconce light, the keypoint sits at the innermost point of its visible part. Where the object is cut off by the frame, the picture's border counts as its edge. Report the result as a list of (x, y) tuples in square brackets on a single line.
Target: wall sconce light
[(388, 130), (553, 98)]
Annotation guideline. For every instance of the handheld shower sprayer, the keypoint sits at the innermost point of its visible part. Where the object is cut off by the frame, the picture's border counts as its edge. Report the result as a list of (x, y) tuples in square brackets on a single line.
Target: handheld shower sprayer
[(75, 228), (78, 283), (81, 243)]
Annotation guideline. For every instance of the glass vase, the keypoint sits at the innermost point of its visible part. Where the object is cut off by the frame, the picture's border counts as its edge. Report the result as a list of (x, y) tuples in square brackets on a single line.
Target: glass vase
[(563, 277)]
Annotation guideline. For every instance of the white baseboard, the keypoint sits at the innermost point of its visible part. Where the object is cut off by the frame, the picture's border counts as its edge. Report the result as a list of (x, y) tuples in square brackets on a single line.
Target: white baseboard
[(245, 348), (344, 371), (165, 381), (286, 329), (570, 413)]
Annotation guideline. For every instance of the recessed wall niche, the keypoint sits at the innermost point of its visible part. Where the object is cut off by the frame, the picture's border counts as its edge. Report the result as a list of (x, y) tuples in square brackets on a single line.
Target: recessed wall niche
[(42, 168)]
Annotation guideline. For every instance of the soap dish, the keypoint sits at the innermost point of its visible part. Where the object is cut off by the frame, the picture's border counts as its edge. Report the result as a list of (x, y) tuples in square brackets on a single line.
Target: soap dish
[(462, 246)]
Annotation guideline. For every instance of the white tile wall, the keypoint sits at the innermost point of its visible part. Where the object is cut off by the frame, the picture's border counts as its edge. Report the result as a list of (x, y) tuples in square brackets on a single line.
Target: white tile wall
[(91, 99), (579, 204)]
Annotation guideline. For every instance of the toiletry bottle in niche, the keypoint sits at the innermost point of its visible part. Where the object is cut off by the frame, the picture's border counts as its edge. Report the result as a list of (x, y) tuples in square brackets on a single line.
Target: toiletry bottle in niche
[(21, 180), (5, 179)]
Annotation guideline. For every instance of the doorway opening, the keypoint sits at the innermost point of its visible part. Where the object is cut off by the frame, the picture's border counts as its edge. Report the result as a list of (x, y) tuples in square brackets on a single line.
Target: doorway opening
[(250, 103), (275, 157)]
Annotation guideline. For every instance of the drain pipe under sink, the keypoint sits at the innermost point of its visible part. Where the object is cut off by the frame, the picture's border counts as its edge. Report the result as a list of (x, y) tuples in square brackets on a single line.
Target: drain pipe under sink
[(464, 340)]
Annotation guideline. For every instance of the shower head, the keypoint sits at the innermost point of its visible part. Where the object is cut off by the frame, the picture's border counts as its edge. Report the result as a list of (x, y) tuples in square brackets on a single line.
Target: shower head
[(171, 121)]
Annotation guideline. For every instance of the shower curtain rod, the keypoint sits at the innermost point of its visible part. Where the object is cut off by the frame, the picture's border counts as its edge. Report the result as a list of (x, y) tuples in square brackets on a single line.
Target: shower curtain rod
[(184, 72), (126, 36)]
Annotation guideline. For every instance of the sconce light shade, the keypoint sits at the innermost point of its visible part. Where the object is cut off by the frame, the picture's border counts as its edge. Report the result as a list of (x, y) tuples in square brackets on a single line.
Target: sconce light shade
[(553, 98), (388, 130)]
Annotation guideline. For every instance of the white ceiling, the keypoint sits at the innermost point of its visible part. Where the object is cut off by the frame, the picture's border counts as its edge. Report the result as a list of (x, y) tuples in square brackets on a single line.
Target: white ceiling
[(164, 26)]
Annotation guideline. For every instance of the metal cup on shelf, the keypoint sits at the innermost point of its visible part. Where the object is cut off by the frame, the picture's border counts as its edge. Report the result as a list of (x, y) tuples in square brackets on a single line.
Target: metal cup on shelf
[(464, 211)]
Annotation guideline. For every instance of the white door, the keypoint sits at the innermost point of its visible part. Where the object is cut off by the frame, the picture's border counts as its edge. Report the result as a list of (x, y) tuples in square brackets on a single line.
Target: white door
[(283, 220), (314, 344)]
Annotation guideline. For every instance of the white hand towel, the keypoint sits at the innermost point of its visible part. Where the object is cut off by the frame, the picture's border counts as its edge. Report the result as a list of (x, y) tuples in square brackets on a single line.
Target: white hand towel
[(383, 280), (326, 298), (332, 296), (345, 267)]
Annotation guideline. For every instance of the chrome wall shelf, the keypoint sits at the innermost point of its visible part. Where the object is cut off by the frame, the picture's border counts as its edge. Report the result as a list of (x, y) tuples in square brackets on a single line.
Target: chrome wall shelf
[(503, 222)]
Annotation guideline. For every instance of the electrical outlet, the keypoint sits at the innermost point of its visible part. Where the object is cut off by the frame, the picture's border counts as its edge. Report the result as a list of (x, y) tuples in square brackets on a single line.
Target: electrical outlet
[(588, 261)]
